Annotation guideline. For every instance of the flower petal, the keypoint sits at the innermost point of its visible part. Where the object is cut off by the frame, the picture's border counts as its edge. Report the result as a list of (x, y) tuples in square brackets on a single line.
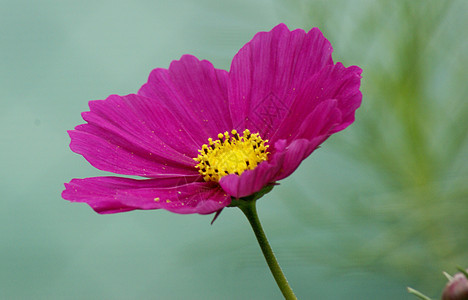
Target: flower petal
[(321, 121), (313, 131), (183, 195), (332, 82), (252, 181), (296, 152), (269, 71), (133, 135), (195, 92)]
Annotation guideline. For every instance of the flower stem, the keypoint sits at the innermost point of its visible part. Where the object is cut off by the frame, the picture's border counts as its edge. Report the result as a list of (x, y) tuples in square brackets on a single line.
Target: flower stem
[(250, 211), (418, 294)]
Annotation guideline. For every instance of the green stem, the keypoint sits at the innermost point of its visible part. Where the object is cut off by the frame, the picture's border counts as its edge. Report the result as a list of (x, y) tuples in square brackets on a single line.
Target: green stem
[(250, 211), (418, 294)]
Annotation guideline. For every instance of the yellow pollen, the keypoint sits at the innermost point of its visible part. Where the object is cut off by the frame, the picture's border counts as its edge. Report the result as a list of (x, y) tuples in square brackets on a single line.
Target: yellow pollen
[(231, 154)]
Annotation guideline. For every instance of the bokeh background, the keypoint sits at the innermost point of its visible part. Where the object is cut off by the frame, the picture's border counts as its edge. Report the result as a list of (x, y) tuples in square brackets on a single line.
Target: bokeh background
[(381, 206)]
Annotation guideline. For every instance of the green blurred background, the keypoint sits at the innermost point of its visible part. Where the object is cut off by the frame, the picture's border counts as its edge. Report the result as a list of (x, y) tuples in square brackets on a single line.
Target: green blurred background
[(379, 207)]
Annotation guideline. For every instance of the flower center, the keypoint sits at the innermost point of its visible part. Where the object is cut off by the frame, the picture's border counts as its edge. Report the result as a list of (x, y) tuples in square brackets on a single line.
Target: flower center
[(231, 154)]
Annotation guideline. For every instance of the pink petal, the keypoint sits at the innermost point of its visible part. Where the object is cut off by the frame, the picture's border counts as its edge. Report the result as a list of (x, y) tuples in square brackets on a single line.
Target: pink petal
[(321, 121), (195, 92), (183, 195), (333, 82), (269, 72), (252, 181), (134, 135), (296, 152), (313, 131)]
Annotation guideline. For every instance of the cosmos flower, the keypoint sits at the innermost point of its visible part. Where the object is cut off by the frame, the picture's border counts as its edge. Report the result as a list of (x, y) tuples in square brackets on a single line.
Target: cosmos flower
[(202, 137)]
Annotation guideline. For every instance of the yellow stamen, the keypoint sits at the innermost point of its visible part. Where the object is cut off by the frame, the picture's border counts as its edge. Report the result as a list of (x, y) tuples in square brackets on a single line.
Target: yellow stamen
[(231, 154)]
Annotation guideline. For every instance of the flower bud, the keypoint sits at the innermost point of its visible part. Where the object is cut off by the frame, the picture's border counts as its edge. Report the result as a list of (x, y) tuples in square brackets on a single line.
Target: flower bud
[(456, 288)]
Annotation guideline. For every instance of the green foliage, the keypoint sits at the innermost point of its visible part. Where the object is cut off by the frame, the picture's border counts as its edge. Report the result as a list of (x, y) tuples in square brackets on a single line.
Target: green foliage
[(410, 137)]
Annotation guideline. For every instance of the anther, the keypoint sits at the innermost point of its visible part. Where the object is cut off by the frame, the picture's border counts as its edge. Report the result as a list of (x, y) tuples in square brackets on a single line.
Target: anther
[(235, 134), (247, 133)]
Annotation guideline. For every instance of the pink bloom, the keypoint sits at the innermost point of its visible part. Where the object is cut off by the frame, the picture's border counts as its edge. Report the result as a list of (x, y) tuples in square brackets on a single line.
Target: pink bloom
[(283, 97)]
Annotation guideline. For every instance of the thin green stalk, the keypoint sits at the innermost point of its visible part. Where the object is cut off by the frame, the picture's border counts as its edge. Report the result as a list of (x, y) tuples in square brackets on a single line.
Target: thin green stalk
[(250, 211), (418, 294)]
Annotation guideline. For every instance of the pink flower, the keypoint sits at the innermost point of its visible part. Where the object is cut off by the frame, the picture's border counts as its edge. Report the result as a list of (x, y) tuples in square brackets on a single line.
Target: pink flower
[(203, 136)]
